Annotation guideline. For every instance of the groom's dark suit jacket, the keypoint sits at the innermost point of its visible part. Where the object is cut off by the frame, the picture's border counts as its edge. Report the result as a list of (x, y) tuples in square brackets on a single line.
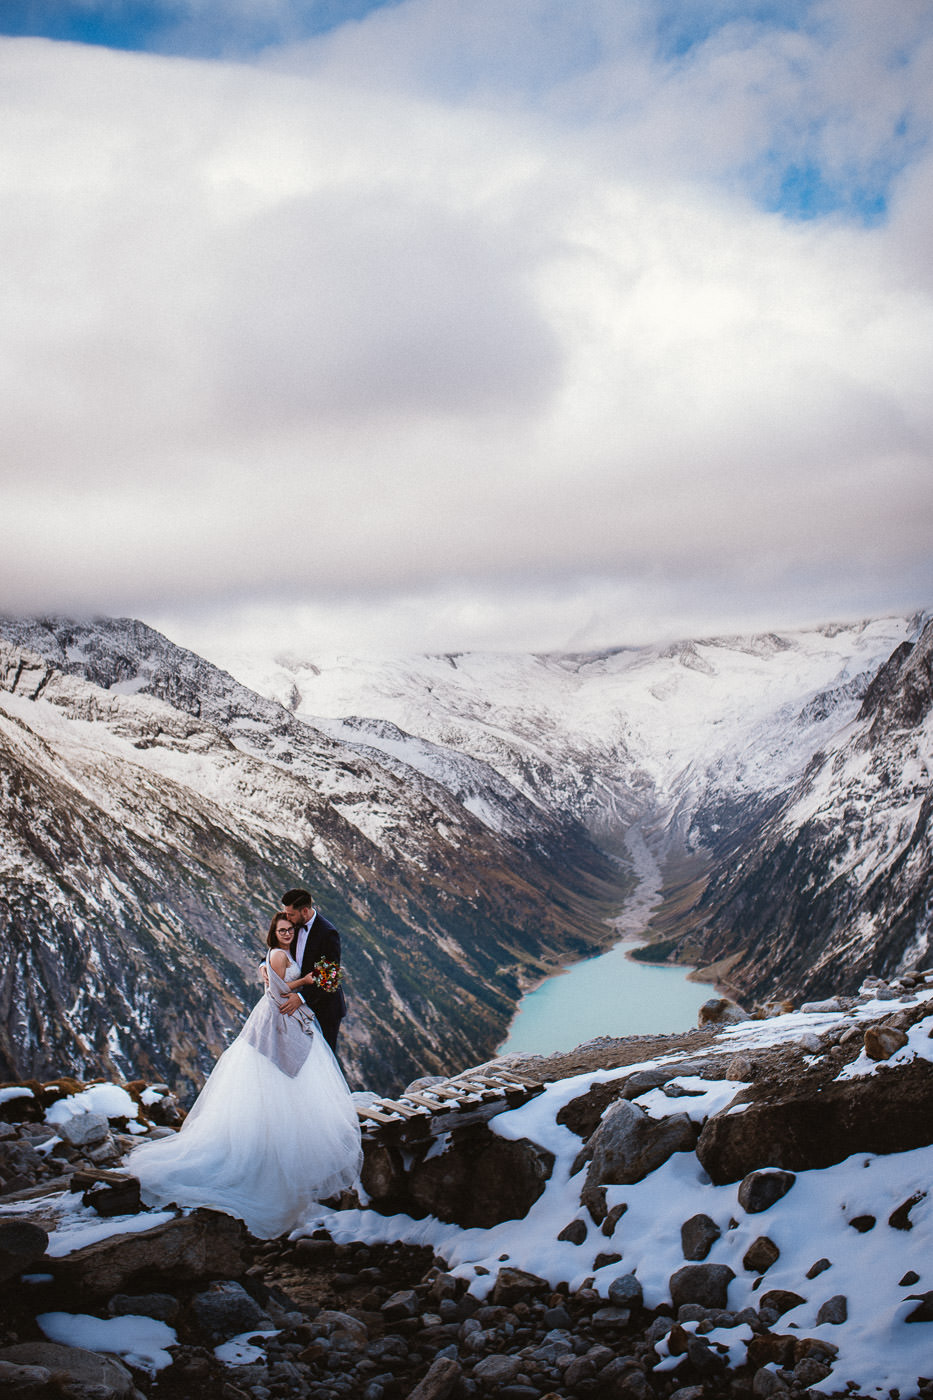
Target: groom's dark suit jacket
[(329, 1007)]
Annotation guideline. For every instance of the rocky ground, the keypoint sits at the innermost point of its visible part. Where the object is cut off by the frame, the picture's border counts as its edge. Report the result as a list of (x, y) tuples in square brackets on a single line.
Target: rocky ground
[(371, 1320)]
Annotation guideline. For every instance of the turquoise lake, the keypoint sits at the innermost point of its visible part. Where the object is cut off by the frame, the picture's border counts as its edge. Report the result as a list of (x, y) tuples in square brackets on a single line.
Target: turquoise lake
[(606, 995)]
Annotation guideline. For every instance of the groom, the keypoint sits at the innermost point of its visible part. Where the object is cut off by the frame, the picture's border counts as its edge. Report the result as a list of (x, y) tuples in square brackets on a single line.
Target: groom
[(315, 939)]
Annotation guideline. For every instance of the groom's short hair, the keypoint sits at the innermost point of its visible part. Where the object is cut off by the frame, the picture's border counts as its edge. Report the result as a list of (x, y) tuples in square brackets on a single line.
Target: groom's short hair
[(297, 899)]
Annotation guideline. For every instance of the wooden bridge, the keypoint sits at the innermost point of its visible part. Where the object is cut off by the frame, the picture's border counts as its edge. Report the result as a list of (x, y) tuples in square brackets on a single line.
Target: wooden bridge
[(472, 1097)]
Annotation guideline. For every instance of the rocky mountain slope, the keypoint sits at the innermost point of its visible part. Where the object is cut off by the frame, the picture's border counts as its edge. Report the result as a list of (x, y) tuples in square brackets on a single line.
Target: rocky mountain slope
[(835, 880), (153, 809)]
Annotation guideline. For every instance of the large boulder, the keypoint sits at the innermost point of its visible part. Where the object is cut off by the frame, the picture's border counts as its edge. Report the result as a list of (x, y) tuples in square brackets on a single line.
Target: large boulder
[(203, 1245), (808, 1123), (481, 1179), (75, 1371), (626, 1147), (22, 1242)]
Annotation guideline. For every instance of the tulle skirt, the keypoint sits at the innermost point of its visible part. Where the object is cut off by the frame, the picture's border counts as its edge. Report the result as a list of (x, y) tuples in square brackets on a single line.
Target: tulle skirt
[(258, 1144)]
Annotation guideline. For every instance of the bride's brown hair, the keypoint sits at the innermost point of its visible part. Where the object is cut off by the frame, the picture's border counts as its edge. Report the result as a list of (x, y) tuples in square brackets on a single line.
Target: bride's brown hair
[(272, 940)]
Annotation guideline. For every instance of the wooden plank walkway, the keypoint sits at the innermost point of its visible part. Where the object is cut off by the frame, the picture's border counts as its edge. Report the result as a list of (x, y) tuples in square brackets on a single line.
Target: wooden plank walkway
[(467, 1098)]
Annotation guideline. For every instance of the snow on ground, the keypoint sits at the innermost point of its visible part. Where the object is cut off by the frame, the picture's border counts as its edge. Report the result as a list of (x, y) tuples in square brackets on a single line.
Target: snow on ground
[(878, 1349), (141, 1341)]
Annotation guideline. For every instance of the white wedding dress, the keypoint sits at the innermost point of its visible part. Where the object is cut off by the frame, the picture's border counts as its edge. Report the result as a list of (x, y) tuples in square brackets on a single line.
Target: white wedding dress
[(272, 1132)]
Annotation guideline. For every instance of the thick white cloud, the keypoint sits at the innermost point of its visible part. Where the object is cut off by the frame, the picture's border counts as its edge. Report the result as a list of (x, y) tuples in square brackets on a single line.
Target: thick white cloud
[(462, 325)]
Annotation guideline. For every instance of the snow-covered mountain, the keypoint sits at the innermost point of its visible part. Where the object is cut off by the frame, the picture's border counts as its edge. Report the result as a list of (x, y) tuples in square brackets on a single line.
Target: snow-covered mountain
[(835, 881), (696, 745), (465, 819), (153, 809)]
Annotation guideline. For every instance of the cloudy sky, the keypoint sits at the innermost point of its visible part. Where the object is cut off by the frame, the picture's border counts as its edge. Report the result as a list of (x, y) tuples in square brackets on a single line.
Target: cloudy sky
[(457, 323)]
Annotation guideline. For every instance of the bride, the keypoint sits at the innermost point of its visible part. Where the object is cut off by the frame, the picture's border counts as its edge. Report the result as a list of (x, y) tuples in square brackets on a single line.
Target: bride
[(274, 1129)]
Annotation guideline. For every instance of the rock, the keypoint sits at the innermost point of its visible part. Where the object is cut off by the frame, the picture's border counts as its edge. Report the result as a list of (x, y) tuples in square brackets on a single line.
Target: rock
[(923, 1312), (760, 1189), (203, 1245), (383, 1176), (401, 1304), (346, 1333), (719, 1011), (809, 1372), (766, 1383), (20, 1164), (909, 1279), (574, 1233), (780, 1301), (21, 1243), (84, 1129), (706, 1284), (512, 1285), (644, 1079), (225, 1309), (25, 1382), (698, 1235), (814, 1124), (863, 1223), (626, 1147), (623, 1379), (117, 1197), (834, 1310), (818, 1268), (760, 1255), (882, 1041), (613, 1217), (741, 1069), (899, 1219), (84, 1372), (625, 1292), (162, 1306), (481, 1179), (440, 1381), (493, 1372)]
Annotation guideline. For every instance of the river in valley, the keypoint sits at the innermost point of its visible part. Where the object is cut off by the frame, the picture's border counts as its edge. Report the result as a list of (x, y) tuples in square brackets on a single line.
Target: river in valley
[(610, 994)]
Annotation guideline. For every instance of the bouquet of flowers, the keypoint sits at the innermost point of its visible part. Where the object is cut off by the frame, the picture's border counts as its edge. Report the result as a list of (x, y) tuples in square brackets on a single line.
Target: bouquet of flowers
[(325, 975)]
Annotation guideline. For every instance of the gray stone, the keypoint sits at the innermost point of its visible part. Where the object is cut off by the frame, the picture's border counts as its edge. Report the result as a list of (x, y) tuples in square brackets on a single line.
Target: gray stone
[(84, 1129), (226, 1308), (809, 1371), (698, 1235), (495, 1371), (627, 1146), (760, 1189), (346, 1334), (162, 1306), (203, 1245), (440, 1381), (834, 1310), (81, 1369), (706, 1284), (766, 1383), (513, 1285), (625, 1292), (21, 1243), (25, 1382), (401, 1304)]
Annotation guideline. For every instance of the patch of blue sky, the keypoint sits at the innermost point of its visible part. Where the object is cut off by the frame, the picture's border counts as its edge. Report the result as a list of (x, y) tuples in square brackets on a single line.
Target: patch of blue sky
[(177, 26), (684, 25)]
